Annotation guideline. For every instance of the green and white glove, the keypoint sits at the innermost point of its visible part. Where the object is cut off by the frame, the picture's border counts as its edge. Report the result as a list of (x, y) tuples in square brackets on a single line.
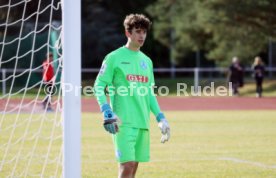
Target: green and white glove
[(111, 121), (164, 127)]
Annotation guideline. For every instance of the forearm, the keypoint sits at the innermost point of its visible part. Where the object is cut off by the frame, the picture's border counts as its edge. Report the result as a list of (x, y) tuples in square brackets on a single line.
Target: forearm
[(99, 90), (111, 121), (155, 108)]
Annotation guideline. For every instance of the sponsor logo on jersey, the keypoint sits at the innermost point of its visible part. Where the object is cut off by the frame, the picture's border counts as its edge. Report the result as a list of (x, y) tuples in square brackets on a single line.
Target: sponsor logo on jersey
[(143, 64), (137, 78), (125, 62)]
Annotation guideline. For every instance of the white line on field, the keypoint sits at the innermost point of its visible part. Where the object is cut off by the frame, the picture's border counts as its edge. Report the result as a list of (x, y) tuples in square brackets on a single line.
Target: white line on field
[(258, 164)]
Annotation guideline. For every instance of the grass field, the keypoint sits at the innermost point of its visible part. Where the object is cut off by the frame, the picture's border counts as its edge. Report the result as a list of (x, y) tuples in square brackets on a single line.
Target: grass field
[(209, 144), (204, 144)]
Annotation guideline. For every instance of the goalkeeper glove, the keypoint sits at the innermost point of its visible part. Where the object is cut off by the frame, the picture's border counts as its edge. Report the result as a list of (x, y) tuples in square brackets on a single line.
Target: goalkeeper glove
[(111, 121), (164, 127)]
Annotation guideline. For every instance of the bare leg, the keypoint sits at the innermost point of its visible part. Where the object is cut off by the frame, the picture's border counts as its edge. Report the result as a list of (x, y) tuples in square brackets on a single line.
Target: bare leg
[(135, 169), (126, 169)]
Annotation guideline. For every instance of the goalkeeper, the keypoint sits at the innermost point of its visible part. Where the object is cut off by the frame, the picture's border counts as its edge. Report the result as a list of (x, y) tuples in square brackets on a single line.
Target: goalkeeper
[(127, 118)]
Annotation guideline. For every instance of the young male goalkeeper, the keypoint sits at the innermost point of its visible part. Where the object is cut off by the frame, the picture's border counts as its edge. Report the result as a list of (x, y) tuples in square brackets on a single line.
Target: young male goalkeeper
[(129, 70)]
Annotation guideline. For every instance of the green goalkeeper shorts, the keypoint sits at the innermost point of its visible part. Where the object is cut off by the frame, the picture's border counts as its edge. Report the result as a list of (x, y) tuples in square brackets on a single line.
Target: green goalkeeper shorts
[(132, 144)]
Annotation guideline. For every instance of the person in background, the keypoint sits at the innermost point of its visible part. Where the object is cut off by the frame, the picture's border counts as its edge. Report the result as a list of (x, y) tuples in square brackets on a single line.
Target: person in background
[(236, 75), (48, 80), (259, 70)]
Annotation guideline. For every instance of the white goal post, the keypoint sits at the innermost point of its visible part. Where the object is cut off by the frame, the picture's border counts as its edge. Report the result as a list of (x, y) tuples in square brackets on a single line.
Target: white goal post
[(72, 75)]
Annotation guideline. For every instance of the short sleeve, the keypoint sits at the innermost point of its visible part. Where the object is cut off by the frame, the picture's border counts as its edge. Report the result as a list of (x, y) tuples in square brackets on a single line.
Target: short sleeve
[(107, 70)]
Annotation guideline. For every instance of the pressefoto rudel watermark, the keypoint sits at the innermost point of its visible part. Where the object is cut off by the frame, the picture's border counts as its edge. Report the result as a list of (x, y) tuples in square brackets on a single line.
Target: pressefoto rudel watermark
[(211, 90), (182, 89)]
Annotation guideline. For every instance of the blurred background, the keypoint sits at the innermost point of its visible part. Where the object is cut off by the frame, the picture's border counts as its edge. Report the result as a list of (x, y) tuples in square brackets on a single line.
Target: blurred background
[(185, 34), (189, 33)]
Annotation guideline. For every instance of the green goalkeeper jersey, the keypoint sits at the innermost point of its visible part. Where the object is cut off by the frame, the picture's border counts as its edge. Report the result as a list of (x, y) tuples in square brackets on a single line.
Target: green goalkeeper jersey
[(129, 76)]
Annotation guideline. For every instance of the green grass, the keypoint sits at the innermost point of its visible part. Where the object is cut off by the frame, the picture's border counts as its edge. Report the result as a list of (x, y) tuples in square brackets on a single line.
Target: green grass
[(269, 89), (32, 135), (199, 143), (203, 144)]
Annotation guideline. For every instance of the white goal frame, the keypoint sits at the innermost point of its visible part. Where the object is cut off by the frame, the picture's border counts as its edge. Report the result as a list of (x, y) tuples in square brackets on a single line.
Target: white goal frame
[(71, 25)]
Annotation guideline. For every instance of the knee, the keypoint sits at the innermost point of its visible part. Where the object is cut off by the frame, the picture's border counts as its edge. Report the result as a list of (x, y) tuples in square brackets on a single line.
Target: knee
[(127, 168)]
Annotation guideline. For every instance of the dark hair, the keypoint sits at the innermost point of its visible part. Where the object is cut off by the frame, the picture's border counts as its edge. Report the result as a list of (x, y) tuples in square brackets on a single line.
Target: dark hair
[(136, 21)]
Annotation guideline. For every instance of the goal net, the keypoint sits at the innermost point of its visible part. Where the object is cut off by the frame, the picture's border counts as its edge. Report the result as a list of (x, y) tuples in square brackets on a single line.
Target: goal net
[(31, 122)]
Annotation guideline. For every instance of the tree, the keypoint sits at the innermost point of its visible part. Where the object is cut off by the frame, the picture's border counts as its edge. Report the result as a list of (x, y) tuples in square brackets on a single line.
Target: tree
[(224, 28)]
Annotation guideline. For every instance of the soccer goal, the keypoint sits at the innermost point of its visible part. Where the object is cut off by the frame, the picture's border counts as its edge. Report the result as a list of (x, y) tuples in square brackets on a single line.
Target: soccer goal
[(40, 124)]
